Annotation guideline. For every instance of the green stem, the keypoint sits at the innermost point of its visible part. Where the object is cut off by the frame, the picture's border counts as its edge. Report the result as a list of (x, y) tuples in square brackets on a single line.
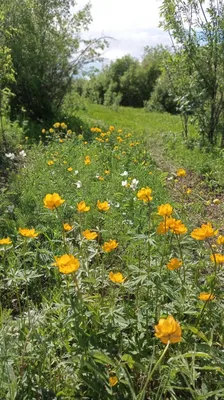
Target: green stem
[(150, 374), (182, 258), (149, 244)]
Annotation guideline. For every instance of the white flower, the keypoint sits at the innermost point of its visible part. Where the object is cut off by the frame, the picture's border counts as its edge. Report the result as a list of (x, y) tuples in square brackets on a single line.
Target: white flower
[(125, 173), (124, 183), (78, 184), (134, 184), (76, 172), (10, 208), (11, 156), (22, 153), (97, 176)]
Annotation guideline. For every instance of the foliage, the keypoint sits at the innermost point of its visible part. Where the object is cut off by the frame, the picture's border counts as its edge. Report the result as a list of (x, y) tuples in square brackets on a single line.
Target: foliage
[(165, 139), (126, 81), (197, 30), (47, 51), (7, 76)]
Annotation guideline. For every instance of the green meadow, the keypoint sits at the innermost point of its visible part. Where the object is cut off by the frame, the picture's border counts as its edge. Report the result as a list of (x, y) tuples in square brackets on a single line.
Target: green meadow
[(111, 267)]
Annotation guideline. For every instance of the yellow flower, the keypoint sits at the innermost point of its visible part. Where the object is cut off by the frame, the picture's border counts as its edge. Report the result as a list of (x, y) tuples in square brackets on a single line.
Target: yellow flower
[(113, 380), (43, 131), (67, 263), (63, 125), (87, 160), (181, 172), (174, 263), (69, 132), (50, 162), (70, 169), (165, 210), (56, 125), (104, 206), (30, 233), (117, 277), (217, 257), (206, 296), (67, 227), (80, 137), (176, 226), (101, 178), (53, 201), (216, 201), (82, 207), (145, 194), (109, 246), (51, 130), (107, 172), (5, 241), (89, 235), (188, 191), (162, 228), (85, 142), (61, 141), (111, 128), (168, 330), (65, 162), (204, 232), (119, 131), (220, 240)]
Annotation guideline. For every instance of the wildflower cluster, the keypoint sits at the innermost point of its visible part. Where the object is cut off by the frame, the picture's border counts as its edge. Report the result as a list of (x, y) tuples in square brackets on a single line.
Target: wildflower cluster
[(112, 276)]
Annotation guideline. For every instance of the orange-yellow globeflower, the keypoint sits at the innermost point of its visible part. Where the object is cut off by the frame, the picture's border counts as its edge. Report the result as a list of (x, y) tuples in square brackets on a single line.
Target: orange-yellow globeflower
[(67, 227), (109, 246), (82, 207), (113, 380), (176, 226), (103, 206), (168, 330), (165, 210), (220, 240), (116, 277), (145, 194), (217, 257), (53, 201), (87, 160), (204, 232), (181, 172), (30, 233), (174, 263), (5, 241), (67, 263), (204, 296), (89, 235)]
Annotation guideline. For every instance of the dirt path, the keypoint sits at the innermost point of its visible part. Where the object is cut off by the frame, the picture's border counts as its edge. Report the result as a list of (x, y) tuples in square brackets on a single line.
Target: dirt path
[(201, 204)]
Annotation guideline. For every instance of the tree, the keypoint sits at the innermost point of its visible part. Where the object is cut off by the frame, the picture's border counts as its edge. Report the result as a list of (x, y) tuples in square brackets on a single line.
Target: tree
[(7, 76), (198, 32), (47, 51)]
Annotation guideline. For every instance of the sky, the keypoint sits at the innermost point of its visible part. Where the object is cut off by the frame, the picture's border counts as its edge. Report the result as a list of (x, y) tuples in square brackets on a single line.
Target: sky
[(132, 23)]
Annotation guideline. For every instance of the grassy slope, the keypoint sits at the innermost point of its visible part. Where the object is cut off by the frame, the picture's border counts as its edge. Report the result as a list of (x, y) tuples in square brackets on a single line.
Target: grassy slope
[(65, 336), (165, 140)]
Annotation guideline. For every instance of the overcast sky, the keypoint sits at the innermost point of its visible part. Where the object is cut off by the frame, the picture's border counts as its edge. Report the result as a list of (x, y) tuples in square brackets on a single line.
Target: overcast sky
[(133, 24)]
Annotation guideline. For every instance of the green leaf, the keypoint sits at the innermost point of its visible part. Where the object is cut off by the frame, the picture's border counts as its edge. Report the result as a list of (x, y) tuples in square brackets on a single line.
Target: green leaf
[(198, 333), (102, 358)]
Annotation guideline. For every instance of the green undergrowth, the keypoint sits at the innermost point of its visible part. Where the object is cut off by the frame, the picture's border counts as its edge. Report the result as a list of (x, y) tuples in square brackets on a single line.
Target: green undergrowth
[(165, 130), (88, 331)]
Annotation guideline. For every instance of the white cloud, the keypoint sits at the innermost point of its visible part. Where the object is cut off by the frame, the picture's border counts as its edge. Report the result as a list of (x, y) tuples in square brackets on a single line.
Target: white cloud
[(134, 25)]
